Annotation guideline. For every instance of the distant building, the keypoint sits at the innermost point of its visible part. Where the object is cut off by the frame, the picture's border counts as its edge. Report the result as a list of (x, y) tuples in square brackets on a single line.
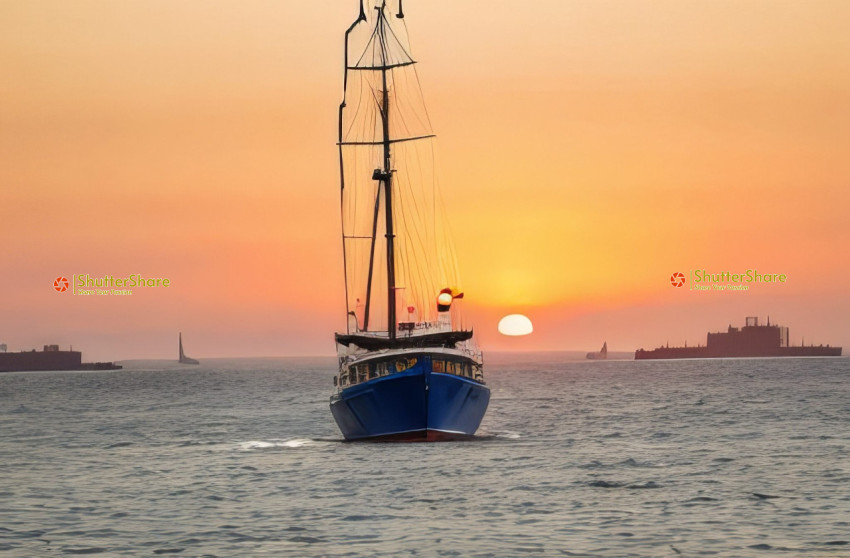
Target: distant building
[(51, 358), (752, 340), (3, 347)]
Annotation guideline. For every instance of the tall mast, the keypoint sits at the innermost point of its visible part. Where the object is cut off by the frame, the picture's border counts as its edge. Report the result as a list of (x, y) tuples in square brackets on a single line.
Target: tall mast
[(361, 17), (387, 178)]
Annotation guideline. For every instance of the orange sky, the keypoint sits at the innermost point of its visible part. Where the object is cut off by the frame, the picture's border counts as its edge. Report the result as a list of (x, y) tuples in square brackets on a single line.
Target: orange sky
[(587, 150)]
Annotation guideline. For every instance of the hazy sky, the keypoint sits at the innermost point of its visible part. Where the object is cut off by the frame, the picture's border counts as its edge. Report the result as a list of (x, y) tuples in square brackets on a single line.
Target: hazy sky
[(587, 150)]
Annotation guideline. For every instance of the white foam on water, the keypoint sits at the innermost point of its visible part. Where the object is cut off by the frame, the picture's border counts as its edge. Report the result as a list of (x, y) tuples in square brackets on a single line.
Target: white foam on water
[(262, 445), (254, 445)]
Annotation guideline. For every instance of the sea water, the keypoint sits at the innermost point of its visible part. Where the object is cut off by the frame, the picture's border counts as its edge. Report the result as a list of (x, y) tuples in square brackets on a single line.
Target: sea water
[(739, 457)]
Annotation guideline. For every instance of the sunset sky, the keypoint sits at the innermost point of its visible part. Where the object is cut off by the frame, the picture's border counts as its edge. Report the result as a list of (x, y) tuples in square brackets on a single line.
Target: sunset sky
[(586, 151)]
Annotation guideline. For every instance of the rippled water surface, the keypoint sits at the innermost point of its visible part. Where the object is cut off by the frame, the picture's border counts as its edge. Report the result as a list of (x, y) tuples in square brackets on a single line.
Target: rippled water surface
[(242, 458)]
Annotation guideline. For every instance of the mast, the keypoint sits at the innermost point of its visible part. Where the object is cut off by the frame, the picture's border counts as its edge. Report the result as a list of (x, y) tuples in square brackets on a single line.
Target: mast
[(386, 177), (361, 17)]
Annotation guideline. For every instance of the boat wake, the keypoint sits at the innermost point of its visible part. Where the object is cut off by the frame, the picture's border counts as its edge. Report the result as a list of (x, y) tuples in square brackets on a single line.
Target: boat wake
[(506, 435), (494, 437), (255, 445)]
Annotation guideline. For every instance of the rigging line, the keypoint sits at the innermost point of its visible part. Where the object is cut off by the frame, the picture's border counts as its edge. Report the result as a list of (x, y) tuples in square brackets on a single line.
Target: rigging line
[(400, 121), (416, 208), (449, 240), (448, 260), (404, 83), (420, 201), (434, 203), (367, 91), (422, 95), (408, 112), (405, 239), (370, 126), (406, 196), (415, 272), (413, 233), (398, 41), (358, 119), (422, 112), (356, 111), (431, 277), (362, 113), (368, 44), (419, 83), (383, 24), (377, 102), (404, 257), (417, 276)]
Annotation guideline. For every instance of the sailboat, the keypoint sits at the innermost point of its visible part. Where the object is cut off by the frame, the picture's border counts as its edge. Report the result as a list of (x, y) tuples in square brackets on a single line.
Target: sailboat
[(409, 369), (601, 355), (183, 358)]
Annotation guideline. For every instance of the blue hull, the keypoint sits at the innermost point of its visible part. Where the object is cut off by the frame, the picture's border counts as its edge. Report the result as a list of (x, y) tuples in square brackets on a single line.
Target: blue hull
[(414, 405)]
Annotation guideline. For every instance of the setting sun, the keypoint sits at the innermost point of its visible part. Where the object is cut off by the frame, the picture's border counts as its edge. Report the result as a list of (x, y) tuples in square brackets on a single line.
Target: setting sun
[(515, 324)]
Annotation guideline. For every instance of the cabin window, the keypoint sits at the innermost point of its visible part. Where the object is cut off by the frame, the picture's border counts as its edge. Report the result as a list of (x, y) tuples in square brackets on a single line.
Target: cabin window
[(404, 364), (362, 372), (381, 368), (438, 366), (373, 372)]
